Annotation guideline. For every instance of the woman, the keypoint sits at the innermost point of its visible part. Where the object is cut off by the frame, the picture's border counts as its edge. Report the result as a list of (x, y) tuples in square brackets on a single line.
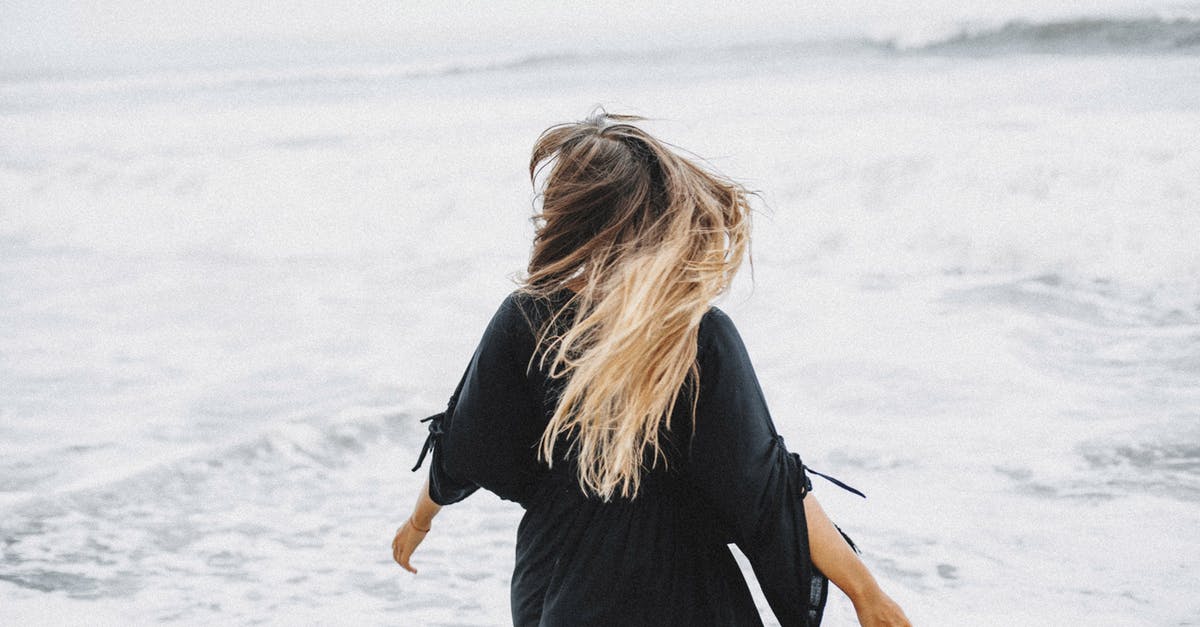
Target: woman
[(620, 409)]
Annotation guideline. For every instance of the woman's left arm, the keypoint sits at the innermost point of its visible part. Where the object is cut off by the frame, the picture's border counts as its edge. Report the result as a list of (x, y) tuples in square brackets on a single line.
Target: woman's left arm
[(485, 438), (413, 531)]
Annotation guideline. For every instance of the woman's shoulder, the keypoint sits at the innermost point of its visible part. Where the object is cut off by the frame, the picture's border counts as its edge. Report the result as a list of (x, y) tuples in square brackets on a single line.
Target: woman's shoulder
[(717, 334), (521, 305), (715, 321), (521, 314), (714, 317)]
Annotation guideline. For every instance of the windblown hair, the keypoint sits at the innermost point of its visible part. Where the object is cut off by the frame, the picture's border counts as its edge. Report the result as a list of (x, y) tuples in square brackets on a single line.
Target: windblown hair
[(647, 239)]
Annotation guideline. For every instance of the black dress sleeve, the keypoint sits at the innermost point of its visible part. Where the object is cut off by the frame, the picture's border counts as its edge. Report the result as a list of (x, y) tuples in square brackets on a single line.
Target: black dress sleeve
[(739, 462), (480, 441)]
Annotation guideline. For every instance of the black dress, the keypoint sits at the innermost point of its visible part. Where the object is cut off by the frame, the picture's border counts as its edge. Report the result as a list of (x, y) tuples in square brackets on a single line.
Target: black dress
[(663, 557)]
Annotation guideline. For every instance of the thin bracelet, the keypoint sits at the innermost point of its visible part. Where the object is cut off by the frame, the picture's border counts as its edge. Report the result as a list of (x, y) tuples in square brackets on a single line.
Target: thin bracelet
[(414, 526)]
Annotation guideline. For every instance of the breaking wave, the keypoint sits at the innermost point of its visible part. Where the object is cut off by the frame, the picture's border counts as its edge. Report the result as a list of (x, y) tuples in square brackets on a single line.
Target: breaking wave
[(1166, 34), (1086, 35)]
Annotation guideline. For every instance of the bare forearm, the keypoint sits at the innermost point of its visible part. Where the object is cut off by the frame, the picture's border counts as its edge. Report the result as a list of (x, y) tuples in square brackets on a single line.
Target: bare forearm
[(412, 532), (425, 509), (833, 556)]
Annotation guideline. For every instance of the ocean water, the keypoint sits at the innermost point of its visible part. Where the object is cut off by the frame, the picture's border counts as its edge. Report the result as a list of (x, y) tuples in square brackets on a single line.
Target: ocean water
[(228, 292)]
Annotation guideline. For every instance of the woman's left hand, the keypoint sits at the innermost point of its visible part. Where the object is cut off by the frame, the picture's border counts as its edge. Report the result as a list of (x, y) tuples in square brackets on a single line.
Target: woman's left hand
[(407, 539)]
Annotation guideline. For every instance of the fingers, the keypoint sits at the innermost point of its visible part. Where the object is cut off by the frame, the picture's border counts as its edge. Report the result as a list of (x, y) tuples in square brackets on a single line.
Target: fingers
[(404, 563), (402, 550), (407, 539), (403, 554)]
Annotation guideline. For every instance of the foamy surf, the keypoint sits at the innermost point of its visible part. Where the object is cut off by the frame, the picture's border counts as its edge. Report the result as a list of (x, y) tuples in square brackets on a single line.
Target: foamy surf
[(975, 298)]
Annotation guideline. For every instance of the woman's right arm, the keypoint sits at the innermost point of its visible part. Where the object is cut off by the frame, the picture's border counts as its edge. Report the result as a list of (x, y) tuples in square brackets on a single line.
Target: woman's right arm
[(837, 561), (760, 491)]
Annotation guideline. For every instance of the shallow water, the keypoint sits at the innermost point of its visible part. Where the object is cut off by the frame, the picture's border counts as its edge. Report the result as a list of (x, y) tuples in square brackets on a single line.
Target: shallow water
[(225, 303)]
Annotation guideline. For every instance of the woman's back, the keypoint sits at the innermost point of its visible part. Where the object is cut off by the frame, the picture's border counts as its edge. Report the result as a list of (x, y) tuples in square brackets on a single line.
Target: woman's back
[(660, 558), (588, 422)]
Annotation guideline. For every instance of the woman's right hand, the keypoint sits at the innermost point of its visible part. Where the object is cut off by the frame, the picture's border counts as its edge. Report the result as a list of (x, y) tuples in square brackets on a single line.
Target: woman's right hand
[(876, 609)]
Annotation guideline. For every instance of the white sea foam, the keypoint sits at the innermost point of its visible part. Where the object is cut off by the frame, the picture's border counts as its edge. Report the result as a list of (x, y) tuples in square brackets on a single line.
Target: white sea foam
[(228, 294)]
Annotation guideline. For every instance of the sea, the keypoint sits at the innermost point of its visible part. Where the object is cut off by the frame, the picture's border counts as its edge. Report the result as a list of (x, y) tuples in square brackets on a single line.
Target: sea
[(234, 277)]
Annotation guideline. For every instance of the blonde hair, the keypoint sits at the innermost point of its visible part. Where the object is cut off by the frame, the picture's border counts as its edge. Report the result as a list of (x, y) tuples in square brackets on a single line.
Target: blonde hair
[(651, 238)]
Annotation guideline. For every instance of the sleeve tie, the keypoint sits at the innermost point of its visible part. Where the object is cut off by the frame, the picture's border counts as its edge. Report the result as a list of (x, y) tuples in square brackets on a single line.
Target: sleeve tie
[(435, 422), (835, 481), (435, 431), (805, 469)]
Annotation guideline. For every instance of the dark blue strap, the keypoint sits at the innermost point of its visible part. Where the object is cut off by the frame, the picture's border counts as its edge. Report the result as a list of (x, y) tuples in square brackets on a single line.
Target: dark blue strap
[(806, 467), (835, 481), (435, 430), (435, 421), (848, 540)]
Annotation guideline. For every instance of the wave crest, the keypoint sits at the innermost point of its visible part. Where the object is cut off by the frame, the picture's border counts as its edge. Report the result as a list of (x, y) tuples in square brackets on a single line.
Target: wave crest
[(1080, 35)]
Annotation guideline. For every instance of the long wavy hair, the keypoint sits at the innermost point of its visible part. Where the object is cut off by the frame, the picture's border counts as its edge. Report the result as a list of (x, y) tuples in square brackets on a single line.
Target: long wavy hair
[(645, 239)]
